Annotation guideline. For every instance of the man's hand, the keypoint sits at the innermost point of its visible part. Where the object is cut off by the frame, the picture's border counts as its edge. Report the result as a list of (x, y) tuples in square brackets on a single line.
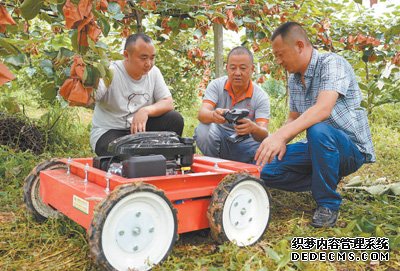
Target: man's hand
[(244, 127), (269, 148), (218, 115), (139, 121)]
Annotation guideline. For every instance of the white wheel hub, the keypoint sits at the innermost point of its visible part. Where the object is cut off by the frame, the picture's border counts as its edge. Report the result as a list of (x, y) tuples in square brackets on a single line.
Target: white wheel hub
[(138, 231), (135, 231), (246, 213), (241, 212)]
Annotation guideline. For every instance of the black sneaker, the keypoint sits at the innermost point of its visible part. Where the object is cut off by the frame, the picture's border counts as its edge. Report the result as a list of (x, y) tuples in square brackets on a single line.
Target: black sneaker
[(324, 217)]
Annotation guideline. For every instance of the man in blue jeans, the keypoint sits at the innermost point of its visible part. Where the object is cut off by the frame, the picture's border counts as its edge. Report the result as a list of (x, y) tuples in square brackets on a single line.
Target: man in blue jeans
[(325, 101), (235, 91)]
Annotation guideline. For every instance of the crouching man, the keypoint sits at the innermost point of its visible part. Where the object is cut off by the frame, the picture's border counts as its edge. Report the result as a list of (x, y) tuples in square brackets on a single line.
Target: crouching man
[(235, 91), (325, 102), (137, 99)]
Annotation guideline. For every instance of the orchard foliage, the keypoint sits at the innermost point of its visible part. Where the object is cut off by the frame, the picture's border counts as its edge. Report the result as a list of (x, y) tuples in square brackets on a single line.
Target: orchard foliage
[(39, 40)]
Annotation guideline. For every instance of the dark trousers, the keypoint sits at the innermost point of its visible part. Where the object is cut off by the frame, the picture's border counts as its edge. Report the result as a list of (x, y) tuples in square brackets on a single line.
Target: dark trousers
[(170, 121), (317, 165)]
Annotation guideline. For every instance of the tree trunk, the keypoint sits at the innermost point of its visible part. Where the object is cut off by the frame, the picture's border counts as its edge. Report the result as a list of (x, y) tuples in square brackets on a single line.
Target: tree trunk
[(218, 50)]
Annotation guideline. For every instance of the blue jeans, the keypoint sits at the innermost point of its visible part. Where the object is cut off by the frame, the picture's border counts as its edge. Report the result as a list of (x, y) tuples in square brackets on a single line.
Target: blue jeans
[(317, 165), (211, 140)]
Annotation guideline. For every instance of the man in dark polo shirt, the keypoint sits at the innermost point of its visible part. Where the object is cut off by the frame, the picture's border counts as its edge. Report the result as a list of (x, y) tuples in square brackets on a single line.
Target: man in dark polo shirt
[(235, 91)]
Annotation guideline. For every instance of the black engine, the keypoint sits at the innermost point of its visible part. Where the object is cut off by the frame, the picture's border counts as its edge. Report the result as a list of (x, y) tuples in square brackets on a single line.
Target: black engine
[(147, 154)]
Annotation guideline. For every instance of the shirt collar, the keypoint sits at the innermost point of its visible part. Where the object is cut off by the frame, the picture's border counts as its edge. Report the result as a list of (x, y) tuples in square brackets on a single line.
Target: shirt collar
[(313, 64), (249, 92)]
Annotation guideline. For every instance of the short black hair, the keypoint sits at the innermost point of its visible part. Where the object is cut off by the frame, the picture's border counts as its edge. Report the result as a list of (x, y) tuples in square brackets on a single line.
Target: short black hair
[(241, 50), (134, 37), (289, 28)]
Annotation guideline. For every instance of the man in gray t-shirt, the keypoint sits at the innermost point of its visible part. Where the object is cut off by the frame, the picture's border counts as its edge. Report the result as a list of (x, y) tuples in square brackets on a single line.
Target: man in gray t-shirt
[(235, 91), (137, 99)]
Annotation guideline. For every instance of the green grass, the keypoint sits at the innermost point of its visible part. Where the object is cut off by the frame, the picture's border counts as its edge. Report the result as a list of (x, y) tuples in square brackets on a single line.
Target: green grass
[(62, 245)]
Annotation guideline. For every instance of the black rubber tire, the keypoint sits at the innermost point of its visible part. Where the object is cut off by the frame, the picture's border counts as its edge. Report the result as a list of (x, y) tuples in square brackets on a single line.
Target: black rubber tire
[(217, 203), (103, 209), (34, 204)]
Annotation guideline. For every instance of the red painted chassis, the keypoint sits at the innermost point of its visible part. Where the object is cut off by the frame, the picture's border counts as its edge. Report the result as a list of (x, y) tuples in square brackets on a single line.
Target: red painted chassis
[(76, 188), (58, 189)]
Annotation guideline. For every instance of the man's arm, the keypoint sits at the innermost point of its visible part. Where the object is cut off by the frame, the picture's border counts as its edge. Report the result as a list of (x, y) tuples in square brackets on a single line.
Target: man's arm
[(258, 130), (209, 114), (101, 90), (275, 144), (157, 109)]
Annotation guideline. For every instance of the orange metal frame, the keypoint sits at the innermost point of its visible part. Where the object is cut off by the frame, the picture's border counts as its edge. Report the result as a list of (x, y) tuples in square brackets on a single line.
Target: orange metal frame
[(189, 193)]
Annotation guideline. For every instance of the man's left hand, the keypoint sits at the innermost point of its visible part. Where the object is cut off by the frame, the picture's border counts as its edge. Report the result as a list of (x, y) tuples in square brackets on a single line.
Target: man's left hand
[(139, 121), (244, 126)]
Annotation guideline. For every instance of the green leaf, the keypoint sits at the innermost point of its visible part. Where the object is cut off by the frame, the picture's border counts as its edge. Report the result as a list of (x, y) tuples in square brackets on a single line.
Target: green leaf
[(379, 232), (108, 78), (16, 61), (116, 56), (273, 255), (173, 23), (197, 33), (219, 14), (365, 57), (248, 20), (366, 225), (46, 63), (7, 48), (355, 181), (284, 261), (201, 17), (189, 22), (118, 16), (393, 31), (44, 16), (48, 71), (260, 35), (91, 76), (64, 52), (363, 86), (100, 68), (104, 25), (350, 226), (114, 8), (101, 45), (48, 91), (74, 40), (31, 8), (249, 34), (379, 189), (30, 72), (358, 1), (395, 188), (11, 105), (47, 67)]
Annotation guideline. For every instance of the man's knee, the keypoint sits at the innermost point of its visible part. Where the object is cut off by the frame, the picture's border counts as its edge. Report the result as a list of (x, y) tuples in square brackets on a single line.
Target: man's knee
[(268, 172), (176, 120), (101, 149), (274, 170), (319, 133), (170, 121), (207, 139), (201, 131)]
